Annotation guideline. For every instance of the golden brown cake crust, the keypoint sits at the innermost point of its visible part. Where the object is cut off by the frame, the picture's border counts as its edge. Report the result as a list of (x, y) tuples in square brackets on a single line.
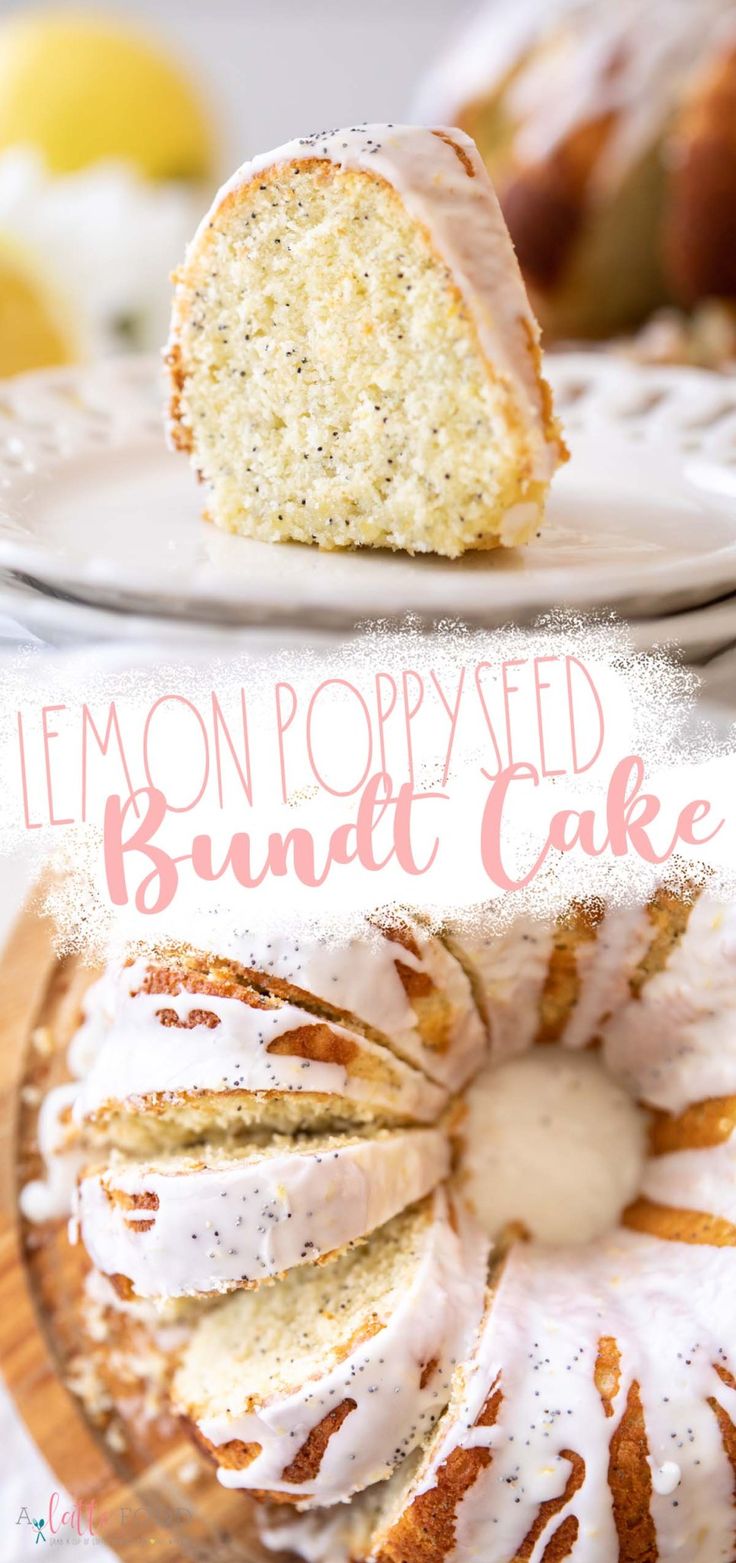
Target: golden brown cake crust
[(562, 983), (679, 1226), (425, 1532), (235, 1455), (630, 1481), (699, 1127), (180, 434), (306, 1463), (545, 204), (608, 1372), (700, 228)]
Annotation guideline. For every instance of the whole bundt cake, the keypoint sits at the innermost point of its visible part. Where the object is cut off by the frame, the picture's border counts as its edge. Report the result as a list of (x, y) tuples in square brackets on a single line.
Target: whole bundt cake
[(407, 1401), (610, 135), (353, 357)]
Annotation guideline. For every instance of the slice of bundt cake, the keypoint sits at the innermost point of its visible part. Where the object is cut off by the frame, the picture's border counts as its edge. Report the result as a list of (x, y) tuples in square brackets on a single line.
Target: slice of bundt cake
[(168, 1055), (341, 1534), (353, 356), (560, 981), (393, 981), (673, 1043), (317, 1387), (218, 1218)]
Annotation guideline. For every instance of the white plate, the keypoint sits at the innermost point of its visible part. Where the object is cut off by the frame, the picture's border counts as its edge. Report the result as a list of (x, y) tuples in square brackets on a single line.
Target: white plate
[(29, 613), (642, 519)]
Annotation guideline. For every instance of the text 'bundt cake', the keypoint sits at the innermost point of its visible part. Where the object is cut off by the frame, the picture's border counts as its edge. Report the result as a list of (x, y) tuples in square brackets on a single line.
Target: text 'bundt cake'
[(386, 1394), (353, 357)]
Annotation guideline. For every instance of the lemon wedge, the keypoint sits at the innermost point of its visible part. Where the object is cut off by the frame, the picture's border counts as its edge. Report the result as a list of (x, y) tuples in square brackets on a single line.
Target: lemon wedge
[(82, 88), (33, 331)]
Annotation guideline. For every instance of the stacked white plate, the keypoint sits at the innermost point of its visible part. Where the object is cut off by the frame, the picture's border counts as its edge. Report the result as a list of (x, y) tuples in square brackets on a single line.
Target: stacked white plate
[(101, 533)]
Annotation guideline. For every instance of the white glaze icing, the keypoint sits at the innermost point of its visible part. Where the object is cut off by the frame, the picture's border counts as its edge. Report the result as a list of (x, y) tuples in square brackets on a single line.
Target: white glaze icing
[(49, 1198), (479, 58), (700, 1180), (251, 1216), (665, 1478), (551, 1141), (327, 1537), (463, 218), (433, 1317), (337, 1535), (539, 1346), (604, 967), (676, 1043), (574, 62), (509, 968), (359, 975), (127, 1054)]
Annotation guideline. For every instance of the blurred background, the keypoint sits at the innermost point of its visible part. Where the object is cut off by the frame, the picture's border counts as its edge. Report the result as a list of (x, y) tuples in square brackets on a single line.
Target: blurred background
[(117, 123), (610, 132)]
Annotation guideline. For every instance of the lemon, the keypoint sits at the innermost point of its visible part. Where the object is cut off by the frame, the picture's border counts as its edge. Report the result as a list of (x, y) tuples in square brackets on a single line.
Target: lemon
[(33, 330), (80, 88)]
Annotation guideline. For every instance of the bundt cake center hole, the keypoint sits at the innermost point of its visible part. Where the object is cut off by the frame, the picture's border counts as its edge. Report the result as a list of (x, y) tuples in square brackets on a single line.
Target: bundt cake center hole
[(555, 1146)]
